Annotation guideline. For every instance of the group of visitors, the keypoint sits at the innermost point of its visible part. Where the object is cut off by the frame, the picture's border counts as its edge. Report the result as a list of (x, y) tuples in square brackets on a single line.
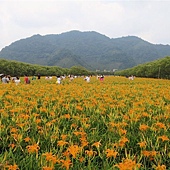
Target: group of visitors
[(71, 78), (7, 79), (27, 80)]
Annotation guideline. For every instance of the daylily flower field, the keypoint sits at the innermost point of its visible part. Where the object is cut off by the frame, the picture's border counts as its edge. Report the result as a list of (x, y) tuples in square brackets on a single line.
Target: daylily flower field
[(115, 124)]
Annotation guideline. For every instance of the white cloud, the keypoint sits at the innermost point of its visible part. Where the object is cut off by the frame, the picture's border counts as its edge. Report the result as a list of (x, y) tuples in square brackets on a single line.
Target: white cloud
[(114, 18)]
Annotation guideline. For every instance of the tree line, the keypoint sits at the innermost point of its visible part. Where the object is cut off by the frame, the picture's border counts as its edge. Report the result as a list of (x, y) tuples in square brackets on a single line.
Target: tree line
[(15, 68), (156, 69)]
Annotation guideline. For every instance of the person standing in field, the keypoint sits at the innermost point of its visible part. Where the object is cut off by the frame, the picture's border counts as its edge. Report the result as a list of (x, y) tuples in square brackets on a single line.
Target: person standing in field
[(39, 76), (87, 79), (58, 80), (102, 78), (33, 78), (131, 77), (17, 80), (26, 79), (5, 79)]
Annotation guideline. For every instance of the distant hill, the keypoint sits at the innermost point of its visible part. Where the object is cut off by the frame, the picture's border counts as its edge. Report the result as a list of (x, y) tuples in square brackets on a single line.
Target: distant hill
[(155, 69), (91, 50)]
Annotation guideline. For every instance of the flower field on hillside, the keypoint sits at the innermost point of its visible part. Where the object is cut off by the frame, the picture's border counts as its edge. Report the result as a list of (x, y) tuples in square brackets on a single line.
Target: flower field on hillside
[(115, 124)]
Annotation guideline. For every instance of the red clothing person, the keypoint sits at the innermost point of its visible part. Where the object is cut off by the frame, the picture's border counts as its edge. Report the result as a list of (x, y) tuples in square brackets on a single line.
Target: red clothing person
[(26, 79)]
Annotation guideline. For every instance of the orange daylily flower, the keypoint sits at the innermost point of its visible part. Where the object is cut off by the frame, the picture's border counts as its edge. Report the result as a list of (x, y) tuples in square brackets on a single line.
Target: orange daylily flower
[(79, 108), (124, 140), (84, 143), (164, 138), (149, 153), (77, 133), (12, 145), (128, 164), (111, 153), (52, 113), (122, 131), (143, 127), (144, 114), (66, 154), (153, 153), (33, 148), (73, 125), (12, 167), (61, 143), (27, 139), (13, 130), (66, 163), (90, 153), (50, 157), (64, 137), (67, 116), (160, 125), (38, 121), (96, 144), (73, 150), (146, 153), (81, 159), (142, 144), (160, 167)]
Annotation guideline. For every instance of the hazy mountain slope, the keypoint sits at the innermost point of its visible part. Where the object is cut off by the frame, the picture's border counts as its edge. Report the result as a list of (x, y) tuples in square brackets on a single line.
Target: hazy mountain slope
[(141, 51)]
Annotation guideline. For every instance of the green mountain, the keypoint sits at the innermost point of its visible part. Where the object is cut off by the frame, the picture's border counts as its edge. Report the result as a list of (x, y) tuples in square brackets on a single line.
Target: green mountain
[(91, 50)]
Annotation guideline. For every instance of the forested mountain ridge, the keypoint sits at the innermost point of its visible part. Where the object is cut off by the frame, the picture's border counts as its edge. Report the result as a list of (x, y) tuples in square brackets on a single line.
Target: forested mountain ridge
[(91, 50)]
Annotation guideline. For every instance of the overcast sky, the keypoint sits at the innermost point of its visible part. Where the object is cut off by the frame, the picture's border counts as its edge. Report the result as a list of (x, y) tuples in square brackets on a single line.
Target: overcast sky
[(147, 19)]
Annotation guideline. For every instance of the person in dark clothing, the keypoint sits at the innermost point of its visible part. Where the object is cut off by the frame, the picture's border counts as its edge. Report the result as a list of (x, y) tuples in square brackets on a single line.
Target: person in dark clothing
[(39, 76)]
